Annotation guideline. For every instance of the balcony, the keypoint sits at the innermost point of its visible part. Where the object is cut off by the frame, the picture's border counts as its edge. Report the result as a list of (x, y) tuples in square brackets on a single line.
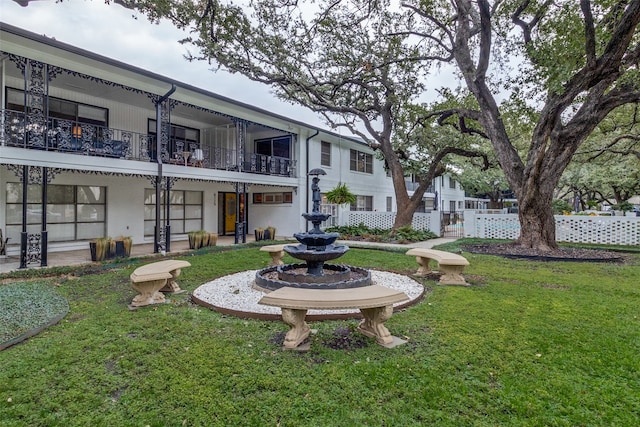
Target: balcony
[(65, 136)]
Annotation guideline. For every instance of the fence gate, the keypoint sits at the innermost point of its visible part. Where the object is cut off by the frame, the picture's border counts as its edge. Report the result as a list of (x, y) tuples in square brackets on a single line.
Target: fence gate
[(452, 224)]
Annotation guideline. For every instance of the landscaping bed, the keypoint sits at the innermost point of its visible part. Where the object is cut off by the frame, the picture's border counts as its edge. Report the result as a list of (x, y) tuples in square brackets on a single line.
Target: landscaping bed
[(27, 308)]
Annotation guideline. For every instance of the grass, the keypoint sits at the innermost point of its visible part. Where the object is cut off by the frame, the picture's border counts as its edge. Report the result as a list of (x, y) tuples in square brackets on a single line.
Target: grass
[(529, 344), (28, 307)]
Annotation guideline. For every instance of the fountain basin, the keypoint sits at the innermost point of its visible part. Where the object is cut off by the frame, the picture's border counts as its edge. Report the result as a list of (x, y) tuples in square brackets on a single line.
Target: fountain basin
[(333, 277), (312, 241), (298, 273), (313, 253)]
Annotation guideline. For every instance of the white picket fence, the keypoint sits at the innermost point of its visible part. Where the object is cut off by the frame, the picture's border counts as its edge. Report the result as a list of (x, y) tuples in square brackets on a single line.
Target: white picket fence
[(607, 230)]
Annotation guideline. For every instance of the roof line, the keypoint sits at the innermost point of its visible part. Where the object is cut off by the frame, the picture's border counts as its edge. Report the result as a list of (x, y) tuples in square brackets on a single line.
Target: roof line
[(119, 64)]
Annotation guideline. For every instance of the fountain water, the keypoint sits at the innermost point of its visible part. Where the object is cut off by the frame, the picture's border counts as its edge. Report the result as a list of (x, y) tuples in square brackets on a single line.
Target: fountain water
[(315, 248)]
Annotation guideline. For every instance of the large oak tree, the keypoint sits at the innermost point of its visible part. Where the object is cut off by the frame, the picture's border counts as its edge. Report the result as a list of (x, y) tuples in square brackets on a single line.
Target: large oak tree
[(577, 62), (572, 62), (350, 62)]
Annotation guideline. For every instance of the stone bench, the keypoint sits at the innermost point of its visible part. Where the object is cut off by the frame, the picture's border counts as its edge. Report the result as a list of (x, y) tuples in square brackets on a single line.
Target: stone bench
[(450, 265), (276, 252), (375, 303), (152, 279)]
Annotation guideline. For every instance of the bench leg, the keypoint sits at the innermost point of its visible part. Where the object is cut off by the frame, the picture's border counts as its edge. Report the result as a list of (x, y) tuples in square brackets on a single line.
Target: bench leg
[(372, 324), (171, 285), (299, 329), (424, 269), (452, 275), (148, 292), (276, 258)]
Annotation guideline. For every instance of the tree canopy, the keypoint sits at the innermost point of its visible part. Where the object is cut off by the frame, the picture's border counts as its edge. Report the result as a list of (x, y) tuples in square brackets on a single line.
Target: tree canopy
[(567, 64)]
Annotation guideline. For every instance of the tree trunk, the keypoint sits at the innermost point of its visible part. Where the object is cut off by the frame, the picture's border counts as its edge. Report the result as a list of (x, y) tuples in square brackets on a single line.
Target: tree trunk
[(404, 216), (405, 206), (535, 211)]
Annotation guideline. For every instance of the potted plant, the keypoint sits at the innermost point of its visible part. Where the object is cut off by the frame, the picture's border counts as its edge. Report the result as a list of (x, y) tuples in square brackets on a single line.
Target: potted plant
[(270, 233), (192, 239), (213, 239), (341, 195), (198, 239), (259, 232), (3, 244), (121, 246), (99, 248)]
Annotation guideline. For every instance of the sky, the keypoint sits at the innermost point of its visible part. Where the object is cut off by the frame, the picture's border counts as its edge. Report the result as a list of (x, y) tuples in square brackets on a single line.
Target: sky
[(111, 31)]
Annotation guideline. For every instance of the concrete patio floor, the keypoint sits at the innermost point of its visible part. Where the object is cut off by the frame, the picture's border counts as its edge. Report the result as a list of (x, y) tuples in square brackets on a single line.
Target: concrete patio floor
[(83, 256)]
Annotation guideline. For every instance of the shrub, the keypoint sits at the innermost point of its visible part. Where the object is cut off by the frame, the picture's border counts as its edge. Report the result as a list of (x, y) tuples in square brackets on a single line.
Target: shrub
[(403, 234)]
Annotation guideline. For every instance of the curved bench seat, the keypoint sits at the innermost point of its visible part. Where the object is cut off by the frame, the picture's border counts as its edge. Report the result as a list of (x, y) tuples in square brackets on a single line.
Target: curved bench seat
[(375, 303), (450, 265), (152, 279)]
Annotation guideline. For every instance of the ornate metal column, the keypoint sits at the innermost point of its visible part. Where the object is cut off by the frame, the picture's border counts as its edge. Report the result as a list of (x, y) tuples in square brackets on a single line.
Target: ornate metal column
[(23, 235), (37, 76), (241, 213), (241, 137), (34, 246), (162, 240), (163, 128), (36, 111), (167, 218)]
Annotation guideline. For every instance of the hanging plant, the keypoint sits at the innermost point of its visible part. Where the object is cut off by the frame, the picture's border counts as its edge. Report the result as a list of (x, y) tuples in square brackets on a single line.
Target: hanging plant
[(341, 195)]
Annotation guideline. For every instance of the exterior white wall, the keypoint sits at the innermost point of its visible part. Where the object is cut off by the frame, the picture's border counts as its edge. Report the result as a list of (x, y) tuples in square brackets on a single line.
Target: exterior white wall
[(126, 180), (377, 185), (446, 194), (125, 206)]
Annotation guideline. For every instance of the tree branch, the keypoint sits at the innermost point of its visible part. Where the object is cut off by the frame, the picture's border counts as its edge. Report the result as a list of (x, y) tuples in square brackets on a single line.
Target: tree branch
[(590, 33)]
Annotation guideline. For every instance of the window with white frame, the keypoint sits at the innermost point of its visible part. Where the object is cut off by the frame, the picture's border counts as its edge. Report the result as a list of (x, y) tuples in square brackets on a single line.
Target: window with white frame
[(185, 210), (363, 203), (74, 212), (452, 182), (325, 153), (360, 162)]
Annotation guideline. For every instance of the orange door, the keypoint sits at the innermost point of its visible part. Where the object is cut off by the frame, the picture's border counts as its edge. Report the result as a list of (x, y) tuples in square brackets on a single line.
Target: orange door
[(229, 212)]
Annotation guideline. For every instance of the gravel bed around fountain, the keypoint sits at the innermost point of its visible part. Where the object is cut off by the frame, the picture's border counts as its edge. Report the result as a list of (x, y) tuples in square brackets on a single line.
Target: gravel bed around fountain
[(235, 295)]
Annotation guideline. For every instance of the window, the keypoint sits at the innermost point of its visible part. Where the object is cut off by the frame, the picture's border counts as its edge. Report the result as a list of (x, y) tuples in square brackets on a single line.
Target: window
[(63, 109), (278, 146), (389, 204), (272, 198), (181, 138), (74, 212), (429, 204), (361, 162), (452, 182), (325, 153), (363, 203), (185, 209)]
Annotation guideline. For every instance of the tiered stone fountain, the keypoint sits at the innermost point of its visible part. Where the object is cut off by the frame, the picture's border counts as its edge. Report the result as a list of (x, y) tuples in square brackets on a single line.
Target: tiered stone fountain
[(315, 248)]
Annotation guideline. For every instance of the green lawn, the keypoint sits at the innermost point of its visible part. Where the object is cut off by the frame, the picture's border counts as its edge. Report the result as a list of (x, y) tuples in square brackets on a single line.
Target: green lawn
[(529, 344)]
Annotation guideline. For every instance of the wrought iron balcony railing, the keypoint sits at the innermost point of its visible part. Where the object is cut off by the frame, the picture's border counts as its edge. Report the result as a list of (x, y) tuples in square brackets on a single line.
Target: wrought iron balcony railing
[(20, 130)]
